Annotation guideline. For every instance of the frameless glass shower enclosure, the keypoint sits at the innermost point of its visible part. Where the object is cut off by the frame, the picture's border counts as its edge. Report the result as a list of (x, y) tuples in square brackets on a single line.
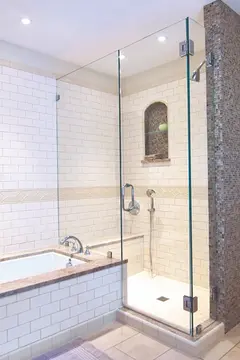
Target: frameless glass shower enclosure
[(132, 159)]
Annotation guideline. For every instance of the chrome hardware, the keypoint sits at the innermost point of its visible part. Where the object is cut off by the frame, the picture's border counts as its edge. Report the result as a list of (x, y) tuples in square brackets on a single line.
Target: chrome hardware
[(87, 250), (73, 240), (74, 249), (185, 48), (190, 304), (198, 329), (109, 254), (209, 61), (134, 206), (150, 193), (69, 263)]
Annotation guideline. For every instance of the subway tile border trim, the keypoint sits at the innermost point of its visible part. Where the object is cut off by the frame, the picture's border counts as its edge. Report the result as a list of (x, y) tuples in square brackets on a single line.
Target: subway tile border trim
[(22, 196)]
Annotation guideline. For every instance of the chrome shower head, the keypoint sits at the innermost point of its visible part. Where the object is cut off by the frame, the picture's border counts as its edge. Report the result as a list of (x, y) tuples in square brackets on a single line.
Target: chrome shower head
[(196, 76), (150, 192)]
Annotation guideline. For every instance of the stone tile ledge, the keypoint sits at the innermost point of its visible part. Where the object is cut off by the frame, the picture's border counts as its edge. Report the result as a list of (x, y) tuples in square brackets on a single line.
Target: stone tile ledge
[(108, 242), (93, 263)]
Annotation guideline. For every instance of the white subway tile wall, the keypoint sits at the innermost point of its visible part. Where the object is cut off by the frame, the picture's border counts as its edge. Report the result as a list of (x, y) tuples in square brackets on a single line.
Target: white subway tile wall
[(28, 160), (170, 234), (38, 316), (89, 166), (88, 158)]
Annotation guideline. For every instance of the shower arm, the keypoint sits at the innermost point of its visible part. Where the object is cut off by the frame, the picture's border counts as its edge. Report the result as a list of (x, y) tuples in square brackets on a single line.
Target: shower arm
[(201, 65), (132, 196)]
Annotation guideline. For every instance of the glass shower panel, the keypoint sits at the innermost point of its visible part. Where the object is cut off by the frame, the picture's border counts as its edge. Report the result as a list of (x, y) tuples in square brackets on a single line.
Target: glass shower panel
[(88, 156), (199, 176), (155, 175)]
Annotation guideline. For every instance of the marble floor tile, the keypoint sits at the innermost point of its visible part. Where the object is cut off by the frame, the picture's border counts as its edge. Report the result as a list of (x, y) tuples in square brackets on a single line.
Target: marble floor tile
[(141, 347), (116, 354), (175, 355), (113, 337), (233, 354)]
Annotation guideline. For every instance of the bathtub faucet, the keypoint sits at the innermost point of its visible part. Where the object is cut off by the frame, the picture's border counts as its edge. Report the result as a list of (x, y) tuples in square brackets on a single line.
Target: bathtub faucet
[(74, 240)]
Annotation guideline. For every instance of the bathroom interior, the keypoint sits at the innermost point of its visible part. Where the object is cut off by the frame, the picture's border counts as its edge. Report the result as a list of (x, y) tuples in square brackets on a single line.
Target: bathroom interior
[(115, 154), (144, 151)]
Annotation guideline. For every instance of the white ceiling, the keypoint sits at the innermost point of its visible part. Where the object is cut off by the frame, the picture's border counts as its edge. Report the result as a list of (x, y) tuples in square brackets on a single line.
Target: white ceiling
[(80, 31)]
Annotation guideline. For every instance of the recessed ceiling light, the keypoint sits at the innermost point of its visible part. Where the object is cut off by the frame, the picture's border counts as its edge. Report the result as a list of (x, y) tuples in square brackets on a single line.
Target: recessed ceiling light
[(121, 56), (25, 21), (162, 38)]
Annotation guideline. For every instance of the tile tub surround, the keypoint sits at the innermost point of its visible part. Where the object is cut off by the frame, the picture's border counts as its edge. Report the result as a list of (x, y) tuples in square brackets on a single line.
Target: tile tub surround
[(92, 263), (56, 312), (133, 250), (28, 161), (87, 154), (88, 162), (223, 110)]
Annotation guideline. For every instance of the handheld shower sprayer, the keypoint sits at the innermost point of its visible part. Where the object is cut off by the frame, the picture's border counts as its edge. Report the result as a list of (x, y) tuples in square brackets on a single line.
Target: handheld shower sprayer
[(150, 193)]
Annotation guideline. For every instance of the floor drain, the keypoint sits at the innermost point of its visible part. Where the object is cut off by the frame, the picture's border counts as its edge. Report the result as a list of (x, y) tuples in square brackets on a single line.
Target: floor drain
[(163, 298)]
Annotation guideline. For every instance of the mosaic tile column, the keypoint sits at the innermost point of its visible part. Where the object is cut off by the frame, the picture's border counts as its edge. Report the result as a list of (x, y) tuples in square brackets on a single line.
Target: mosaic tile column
[(223, 113)]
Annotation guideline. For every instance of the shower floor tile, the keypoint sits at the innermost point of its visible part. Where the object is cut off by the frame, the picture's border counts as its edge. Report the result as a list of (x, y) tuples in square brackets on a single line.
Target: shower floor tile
[(144, 293)]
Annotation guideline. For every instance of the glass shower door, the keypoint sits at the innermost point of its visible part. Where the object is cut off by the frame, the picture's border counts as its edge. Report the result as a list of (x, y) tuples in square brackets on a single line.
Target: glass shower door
[(156, 236)]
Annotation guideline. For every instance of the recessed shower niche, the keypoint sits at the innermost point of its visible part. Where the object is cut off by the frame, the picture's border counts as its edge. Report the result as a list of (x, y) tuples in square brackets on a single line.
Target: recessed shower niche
[(156, 132)]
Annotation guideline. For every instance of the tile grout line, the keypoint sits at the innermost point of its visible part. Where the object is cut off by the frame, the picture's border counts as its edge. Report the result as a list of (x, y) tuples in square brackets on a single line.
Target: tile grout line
[(124, 352), (159, 356), (126, 340), (229, 351), (122, 340), (139, 332)]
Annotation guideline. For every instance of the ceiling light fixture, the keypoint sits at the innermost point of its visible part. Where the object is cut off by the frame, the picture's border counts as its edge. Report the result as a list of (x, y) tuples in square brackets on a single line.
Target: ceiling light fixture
[(25, 21), (162, 38), (122, 57)]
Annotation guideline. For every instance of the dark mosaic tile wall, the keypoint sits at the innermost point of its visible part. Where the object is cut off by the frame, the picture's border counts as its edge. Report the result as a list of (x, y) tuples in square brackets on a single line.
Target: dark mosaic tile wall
[(223, 113)]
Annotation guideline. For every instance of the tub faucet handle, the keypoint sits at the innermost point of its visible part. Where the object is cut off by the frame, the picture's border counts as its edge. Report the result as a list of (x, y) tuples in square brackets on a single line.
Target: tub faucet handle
[(74, 249), (87, 251)]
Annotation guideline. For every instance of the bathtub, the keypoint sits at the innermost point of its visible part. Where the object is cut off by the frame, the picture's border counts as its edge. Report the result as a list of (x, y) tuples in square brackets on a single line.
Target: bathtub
[(29, 266), (43, 303)]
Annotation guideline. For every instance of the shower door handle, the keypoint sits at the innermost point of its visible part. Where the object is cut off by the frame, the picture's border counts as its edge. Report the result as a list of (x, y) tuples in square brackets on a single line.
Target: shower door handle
[(123, 197)]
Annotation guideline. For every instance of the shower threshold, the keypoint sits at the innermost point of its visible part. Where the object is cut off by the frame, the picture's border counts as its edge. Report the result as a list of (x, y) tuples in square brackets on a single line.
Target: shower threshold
[(190, 345)]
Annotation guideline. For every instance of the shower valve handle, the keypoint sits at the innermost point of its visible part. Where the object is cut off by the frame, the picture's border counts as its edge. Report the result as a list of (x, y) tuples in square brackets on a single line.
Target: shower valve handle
[(123, 197)]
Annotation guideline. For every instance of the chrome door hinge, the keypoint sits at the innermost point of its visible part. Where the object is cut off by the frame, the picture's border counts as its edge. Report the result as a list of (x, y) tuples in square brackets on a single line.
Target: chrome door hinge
[(185, 48), (190, 304)]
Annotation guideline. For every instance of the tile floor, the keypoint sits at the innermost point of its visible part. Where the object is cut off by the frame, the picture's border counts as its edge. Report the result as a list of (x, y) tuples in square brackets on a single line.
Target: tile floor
[(143, 298), (121, 342)]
